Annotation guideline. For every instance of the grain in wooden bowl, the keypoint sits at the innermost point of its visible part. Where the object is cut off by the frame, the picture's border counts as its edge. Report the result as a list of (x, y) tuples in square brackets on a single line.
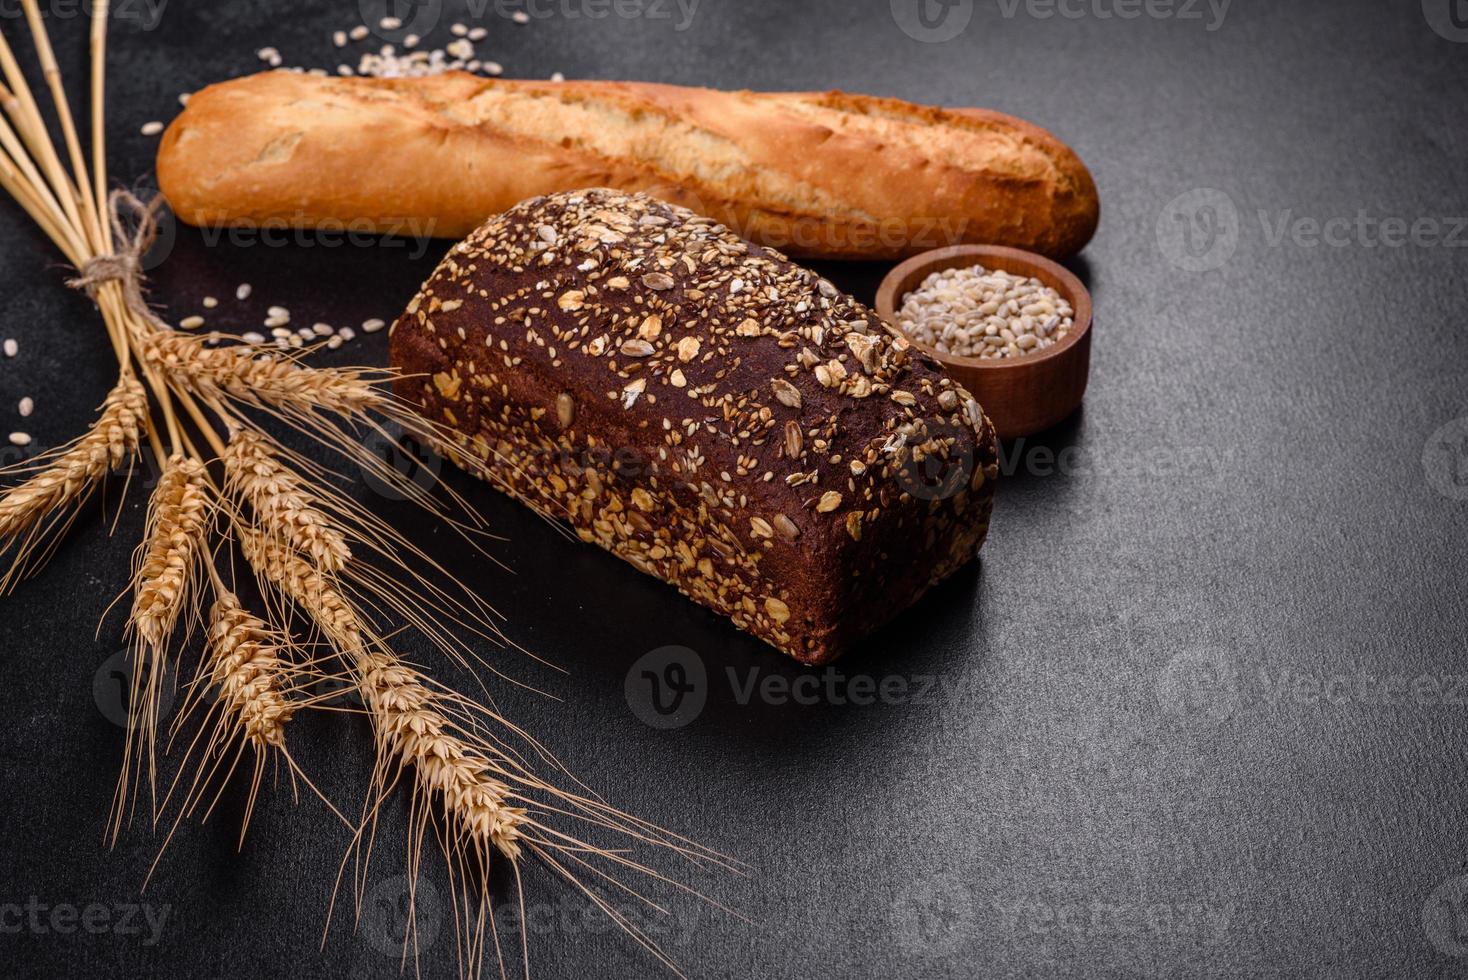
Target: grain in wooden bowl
[(1023, 394)]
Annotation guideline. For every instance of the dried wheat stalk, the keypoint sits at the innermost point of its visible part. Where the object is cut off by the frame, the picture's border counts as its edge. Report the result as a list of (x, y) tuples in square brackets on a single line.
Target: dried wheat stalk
[(249, 667), (401, 706), (65, 478), (283, 508), (251, 375), (177, 514)]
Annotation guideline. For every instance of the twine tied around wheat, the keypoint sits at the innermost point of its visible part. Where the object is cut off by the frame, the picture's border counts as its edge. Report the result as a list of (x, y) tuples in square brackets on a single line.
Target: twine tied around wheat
[(135, 230)]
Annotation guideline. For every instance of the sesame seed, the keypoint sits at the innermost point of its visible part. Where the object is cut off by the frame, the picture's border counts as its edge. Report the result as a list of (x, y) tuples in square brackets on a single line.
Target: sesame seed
[(411, 41), (20, 439), (459, 30), (252, 337), (191, 322), (478, 34), (339, 38), (520, 17), (242, 293), (322, 329), (278, 312), (494, 68), (152, 128), (346, 333), (276, 322), (557, 77), (390, 23), (26, 407), (183, 98), (12, 348), (333, 343), (373, 325), (358, 33), (306, 333), (210, 302)]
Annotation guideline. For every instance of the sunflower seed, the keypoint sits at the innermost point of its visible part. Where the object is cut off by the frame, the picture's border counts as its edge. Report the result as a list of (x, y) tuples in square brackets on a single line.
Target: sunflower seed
[(777, 610), (794, 441)]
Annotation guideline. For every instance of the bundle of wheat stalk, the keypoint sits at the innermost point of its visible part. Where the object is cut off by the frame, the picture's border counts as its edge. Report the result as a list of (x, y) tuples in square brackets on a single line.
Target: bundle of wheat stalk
[(332, 576)]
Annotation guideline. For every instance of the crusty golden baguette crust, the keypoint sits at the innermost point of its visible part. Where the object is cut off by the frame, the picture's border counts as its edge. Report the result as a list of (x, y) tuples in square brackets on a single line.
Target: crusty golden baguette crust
[(824, 175)]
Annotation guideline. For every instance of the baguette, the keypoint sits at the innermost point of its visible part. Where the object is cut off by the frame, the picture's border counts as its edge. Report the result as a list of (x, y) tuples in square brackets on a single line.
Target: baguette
[(705, 409), (823, 175)]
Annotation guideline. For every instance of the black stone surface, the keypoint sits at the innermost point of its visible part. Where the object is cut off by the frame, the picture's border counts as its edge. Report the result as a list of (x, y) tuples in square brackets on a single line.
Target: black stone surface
[(1198, 712)]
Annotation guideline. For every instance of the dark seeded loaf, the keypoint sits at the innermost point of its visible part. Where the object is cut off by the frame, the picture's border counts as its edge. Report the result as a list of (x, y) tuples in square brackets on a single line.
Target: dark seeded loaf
[(719, 417)]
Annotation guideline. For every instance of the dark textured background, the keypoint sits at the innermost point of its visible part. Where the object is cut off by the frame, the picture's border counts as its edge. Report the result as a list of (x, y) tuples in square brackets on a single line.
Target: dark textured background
[(1194, 714)]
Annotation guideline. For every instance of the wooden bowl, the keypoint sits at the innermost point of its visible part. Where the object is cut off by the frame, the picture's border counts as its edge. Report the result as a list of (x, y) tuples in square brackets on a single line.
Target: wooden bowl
[(1020, 395)]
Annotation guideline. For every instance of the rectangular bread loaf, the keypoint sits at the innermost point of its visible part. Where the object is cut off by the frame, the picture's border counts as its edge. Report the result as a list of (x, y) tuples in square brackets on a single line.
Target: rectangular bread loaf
[(821, 174), (702, 407)]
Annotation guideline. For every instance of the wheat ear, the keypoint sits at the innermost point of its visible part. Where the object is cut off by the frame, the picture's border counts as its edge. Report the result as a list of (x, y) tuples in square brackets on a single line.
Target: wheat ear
[(259, 689), (177, 518), (481, 787), (400, 704), (166, 567), (248, 667), (254, 376), (284, 510), (65, 478)]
